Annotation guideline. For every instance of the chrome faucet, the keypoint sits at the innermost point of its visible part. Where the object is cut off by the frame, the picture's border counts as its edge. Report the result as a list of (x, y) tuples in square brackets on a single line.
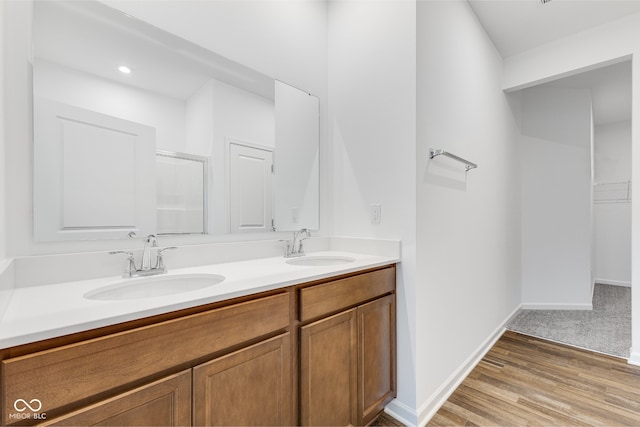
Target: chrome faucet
[(294, 248), (151, 241)]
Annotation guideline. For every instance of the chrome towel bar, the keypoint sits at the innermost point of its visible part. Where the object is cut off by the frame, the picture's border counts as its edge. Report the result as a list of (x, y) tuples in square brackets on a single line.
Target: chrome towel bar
[(467, 164)]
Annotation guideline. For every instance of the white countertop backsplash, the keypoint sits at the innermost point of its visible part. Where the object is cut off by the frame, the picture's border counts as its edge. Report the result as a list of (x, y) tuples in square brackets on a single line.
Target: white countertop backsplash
[(41, 298)]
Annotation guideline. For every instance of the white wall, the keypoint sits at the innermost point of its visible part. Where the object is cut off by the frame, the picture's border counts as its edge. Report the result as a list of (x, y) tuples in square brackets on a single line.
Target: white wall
[(372, 123), (556, 198), (612, 243), (296, 159), (199, 121), (7, 282), (257, 34), (6, 267), (612, 152), (611, 42), (68, 86), (3, 233), (240, 116), (612, 220), (468, 225), (18, 132)]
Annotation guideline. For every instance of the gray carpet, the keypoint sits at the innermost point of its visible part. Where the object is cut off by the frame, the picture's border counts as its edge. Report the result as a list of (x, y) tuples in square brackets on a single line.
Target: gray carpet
[(606, 328)]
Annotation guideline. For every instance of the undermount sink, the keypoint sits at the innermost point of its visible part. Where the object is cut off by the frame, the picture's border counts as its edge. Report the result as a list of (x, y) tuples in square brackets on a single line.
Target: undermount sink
[(320, 260), (155, 286)]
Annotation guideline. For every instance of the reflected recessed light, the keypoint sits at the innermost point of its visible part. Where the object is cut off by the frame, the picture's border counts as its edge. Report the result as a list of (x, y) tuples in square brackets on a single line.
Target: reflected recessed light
[(124, 69)]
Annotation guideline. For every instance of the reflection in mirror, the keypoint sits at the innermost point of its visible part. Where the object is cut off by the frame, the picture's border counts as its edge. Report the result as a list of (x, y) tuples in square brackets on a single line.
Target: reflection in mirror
[(176, 97), (94, 174), (251, 181), (297, 175), (181, 187)]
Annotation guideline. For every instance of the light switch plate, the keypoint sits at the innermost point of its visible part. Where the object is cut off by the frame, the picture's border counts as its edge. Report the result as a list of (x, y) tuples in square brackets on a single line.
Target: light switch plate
[(376, 213)]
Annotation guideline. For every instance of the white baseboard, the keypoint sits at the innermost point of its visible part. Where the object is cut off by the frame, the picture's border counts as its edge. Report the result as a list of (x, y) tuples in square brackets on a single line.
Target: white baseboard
[(634, 359), (402, 413), (556, 306), (429, 408), (613, 282)]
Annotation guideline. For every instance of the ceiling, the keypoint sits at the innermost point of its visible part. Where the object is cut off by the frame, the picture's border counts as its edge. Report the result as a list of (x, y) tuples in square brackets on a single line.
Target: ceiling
[(515, 26), (518, 25)]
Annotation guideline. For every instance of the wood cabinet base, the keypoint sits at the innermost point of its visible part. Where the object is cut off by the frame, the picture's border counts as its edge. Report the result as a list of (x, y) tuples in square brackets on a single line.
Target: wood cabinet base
[(249, 387), (318, 353), (166, 402)]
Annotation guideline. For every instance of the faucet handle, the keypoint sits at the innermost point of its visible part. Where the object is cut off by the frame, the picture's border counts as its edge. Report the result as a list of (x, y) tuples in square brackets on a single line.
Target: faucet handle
[(166, 249), (160, 261), (131, 262), (287, 247), (129, 253)]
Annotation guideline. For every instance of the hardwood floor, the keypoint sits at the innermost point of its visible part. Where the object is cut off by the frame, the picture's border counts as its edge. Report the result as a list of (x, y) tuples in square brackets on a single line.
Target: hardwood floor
[(386, 420), (528, 381)]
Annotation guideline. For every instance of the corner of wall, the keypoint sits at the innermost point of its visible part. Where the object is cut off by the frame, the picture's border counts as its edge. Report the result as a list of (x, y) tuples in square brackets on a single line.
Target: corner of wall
[(468, 231), (440, 396)]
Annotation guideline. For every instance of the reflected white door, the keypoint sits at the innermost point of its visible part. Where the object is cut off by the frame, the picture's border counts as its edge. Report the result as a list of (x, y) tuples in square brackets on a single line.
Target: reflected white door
[(94, 174), (250, 188)]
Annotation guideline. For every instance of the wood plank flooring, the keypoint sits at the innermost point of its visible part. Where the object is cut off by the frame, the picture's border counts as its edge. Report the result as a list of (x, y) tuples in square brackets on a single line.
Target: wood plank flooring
[(386, 420), (529, 381)]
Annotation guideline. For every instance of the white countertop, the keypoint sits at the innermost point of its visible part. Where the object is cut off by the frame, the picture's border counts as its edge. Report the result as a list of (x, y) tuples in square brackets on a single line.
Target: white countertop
[(40, 312)]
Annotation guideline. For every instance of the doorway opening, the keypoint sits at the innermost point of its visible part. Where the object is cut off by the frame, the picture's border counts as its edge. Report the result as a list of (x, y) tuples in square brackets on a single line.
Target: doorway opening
[(576, 209)]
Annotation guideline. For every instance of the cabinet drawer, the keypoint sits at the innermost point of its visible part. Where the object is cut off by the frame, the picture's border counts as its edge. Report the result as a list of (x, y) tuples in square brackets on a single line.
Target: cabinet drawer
[(77, 372), (319, 300)]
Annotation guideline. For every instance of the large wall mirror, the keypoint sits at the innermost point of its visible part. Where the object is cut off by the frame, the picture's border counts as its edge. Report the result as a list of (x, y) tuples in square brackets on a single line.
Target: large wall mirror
[(138, 130)]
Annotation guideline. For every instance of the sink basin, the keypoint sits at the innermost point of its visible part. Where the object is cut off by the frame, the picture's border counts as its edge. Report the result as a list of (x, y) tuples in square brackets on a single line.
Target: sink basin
[(154, 286), (314, 261)]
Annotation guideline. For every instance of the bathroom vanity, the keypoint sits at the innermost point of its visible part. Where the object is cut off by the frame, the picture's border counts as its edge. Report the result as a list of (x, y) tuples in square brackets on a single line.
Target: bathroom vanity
[(252, 339), (320, 352)]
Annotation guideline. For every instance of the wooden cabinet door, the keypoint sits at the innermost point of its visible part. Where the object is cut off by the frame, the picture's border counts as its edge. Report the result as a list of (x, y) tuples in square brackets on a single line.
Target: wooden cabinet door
[(376, 357), (251, 386), (328, 371), (166, 402), (92, 368)]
